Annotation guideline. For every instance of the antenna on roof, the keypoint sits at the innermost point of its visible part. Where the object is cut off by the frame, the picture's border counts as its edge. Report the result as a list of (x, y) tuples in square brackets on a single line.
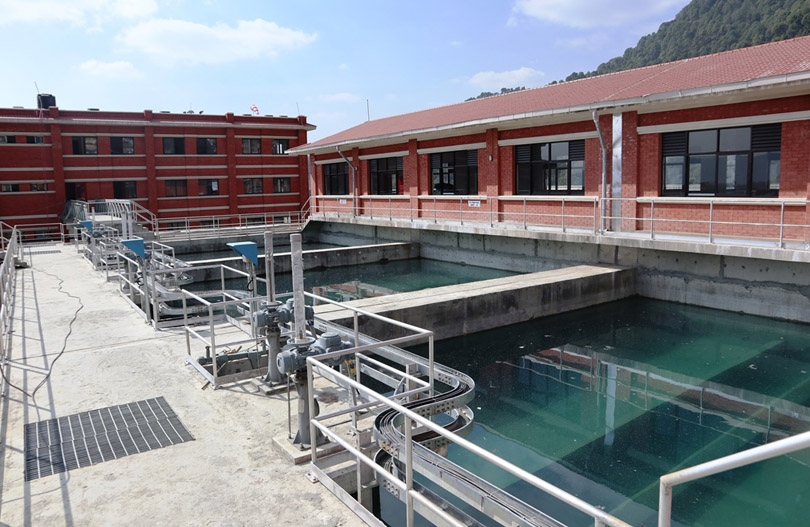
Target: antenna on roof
[(297, 109), (368, 111), (37, 87)]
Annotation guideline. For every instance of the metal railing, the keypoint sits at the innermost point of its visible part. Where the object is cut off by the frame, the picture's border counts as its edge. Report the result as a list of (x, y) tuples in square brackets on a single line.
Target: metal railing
[(12, 245), (716, 466), (320, 365), (215, 225), (781, 223)]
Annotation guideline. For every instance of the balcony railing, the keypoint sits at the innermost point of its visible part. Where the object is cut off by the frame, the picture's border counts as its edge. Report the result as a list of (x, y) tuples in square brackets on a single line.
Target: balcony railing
[(781, 223)]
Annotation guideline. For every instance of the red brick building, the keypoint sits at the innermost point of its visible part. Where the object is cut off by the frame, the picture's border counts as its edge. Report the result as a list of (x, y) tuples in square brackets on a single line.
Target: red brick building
[(175, 165), (719, 142)]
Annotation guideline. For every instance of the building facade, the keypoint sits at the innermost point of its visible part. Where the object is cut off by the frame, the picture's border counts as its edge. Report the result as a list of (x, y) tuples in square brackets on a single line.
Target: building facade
[(175, 165), (715, 144)]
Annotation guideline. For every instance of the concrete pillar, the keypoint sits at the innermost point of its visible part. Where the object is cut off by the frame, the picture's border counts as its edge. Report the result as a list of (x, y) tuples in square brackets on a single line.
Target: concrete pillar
[(233, 183), (629, 183), (488, 165)]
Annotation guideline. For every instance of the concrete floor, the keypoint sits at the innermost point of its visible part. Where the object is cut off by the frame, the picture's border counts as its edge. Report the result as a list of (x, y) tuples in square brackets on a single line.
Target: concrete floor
[(229, 475)]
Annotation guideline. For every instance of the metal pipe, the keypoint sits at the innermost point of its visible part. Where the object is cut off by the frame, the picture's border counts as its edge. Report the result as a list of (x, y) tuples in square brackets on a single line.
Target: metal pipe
[(604, 170), (298, 288), (269, 266), (354, 181)]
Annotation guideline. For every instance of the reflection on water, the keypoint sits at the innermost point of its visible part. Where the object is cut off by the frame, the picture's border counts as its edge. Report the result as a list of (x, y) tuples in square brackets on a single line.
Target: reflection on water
[(604, 401)]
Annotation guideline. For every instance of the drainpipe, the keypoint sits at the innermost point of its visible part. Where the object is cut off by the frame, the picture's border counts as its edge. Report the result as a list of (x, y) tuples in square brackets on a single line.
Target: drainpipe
[(354, 187), (602, 226)]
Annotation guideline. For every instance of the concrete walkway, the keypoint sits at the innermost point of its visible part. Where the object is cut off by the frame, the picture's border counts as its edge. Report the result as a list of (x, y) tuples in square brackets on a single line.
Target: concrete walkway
[(228, 476)]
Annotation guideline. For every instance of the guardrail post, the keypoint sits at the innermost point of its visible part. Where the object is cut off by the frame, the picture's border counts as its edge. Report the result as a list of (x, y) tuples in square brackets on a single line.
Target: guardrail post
[(434, 210), (390, 210), (563, 215), (313, 438), (409, 470), (525, 226), (711, 221), (371, 207), (652, 220), (461, 210), (491, 223), (782, 227), (664, 505)]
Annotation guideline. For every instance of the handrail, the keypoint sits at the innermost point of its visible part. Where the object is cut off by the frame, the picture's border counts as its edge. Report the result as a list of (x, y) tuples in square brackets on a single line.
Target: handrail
[(723, 464), (13, 250)]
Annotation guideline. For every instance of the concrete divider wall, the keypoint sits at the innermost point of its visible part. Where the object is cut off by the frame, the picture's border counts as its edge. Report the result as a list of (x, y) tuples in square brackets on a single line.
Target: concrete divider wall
[(760, 281), (314, 259), (468, 308)]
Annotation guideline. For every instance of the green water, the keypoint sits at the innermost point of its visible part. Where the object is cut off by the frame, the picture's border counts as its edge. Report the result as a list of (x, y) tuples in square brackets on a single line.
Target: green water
[(362, 281), (603, 401)]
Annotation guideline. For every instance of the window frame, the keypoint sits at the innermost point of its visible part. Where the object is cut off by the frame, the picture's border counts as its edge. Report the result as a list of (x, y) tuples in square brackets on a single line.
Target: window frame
[(447, 170), (122, 146), (173, 150), (544, 171), (206, 146), (248, 144), (34, 139), (280, 146), (125, 189), (762, 139), (84, 145), (279, 186), (253, 185), (9, 187), (336, 179), (208, 187), (175, 188), (388, 177)]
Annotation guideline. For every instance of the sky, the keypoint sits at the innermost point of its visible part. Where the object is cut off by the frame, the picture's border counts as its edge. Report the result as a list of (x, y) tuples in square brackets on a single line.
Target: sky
[(337, 62)]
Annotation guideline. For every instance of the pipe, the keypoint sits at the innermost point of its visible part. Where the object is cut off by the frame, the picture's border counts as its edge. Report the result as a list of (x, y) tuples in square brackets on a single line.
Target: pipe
[(299, 313), (602, 226), (354, 186), (269, 266)]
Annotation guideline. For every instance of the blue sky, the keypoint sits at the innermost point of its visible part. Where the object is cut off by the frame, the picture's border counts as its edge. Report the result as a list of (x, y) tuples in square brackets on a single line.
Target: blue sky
[(326, 58)]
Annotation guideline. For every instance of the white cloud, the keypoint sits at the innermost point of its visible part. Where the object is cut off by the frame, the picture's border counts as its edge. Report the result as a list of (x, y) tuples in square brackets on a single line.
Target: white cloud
[(76, 12), (494, 80), (172, 41), (456, 43), (340, 97), (119, 69), (586, 14)]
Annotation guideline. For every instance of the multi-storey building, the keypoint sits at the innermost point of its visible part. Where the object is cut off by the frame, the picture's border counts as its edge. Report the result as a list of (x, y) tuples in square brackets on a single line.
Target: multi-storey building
[(175, 165), (710, 145)]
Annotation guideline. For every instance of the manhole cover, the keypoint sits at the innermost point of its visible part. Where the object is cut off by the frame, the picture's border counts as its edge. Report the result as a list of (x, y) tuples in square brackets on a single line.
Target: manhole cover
[(87, 438)]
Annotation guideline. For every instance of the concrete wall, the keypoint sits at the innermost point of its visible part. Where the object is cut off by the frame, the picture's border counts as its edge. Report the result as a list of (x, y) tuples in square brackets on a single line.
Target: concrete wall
[(314, 259), (773, 283)]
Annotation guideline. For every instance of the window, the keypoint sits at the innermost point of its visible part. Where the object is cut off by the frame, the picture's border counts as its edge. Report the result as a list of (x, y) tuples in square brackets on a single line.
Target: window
[(85, 146), (741, 161), (281, 185), (208, 187), (34, 139), (253, 185), (386, 175), (9, 187), (125, 189), (280, 146), (550, 168), (336, 179), (207, 145), (122, 145), (38, 187), (174, 145), (454, 172), (8, 139), (76, 191), (251, 146), (176, 188)]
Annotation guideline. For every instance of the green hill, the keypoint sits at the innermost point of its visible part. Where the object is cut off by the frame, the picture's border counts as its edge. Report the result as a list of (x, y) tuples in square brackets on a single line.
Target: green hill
[(711, 26)]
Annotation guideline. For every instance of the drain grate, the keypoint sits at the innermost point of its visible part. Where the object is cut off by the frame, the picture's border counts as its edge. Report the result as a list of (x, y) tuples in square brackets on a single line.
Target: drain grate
[(87, 438), (47, 251)]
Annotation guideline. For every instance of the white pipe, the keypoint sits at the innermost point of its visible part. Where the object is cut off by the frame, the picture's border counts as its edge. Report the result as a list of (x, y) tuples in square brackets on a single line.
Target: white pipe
[(354, 184), (604, 171), (299, 312)]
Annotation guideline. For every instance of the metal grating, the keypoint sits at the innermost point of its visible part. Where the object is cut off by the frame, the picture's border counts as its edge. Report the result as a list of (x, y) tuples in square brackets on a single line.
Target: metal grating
[(87, 438), (51, 251)]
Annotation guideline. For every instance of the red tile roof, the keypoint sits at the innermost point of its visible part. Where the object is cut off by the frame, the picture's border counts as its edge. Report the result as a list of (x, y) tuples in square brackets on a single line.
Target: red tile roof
[(728, 67)]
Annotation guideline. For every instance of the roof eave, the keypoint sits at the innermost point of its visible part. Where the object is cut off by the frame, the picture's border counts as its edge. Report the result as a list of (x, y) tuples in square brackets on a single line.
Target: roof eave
[(763, 82)]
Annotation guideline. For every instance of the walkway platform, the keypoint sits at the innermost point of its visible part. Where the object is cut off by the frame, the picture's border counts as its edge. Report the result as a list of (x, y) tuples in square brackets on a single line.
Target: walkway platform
[(476, 306), (228, 475)]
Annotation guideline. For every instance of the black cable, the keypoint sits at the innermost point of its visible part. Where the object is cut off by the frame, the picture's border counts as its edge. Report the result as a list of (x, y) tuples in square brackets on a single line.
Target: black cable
[(33, 394)]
